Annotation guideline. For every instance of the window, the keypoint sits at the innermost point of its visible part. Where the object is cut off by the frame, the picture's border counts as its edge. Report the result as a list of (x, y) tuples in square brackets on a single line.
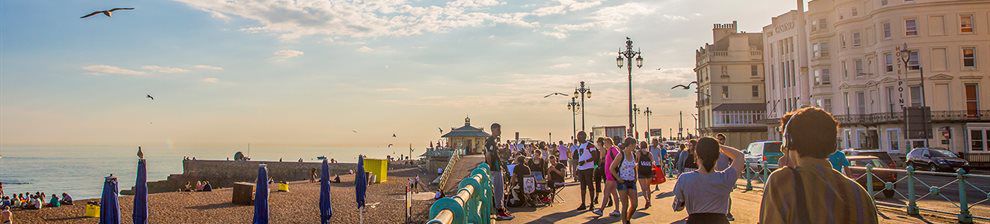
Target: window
[(883, 2), (845, 96), (888, 62), (894, 139), (978, 139), (754, 70), (969, 57), (856, 39), (827, 104), (972, 101), (845, 71), (915, 96), (725, 71), (725, 92), (842, 40), (966, 24), (914, 62), (890, 99), (822, 24), (820, 49), (773, 82), (756, 91), (886, 30), (859, 67), (911, 27), (855, 12), (822, 77), (860, 103)]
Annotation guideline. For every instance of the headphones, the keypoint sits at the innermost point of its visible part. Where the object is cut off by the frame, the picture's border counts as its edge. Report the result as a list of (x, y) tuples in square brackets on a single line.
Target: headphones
[(788, 139)]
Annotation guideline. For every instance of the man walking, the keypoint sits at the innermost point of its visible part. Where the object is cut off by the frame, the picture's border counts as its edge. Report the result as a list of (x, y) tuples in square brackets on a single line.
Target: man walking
[(586, 169), (723, 162), (496, 165)]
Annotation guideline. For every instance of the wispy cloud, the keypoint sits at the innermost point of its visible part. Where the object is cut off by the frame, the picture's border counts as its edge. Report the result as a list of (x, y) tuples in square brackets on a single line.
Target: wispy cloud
[(365, 49), (564, 6), (286, 54), (208, 67), (164, 69), (392, 89), (111, 70), (561, 65), (210, 80), (607, 17)]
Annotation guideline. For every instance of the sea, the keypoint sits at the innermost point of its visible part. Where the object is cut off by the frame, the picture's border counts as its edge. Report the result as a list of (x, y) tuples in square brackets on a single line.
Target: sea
[(80, 170)]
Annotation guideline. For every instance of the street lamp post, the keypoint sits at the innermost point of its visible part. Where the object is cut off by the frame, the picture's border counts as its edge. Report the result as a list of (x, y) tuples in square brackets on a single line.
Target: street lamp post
[(573, 106), (629, 54), (905, 54), (648, 112), (636, 121), (585, 92)]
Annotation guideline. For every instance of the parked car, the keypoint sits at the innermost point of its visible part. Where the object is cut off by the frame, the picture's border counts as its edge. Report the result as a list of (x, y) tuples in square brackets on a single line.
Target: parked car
[(763, 151), (884, 157), (883, 175), (936, 159)]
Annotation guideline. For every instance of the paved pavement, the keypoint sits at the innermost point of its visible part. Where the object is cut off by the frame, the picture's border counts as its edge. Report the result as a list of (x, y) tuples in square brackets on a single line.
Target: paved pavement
[(745, 208)]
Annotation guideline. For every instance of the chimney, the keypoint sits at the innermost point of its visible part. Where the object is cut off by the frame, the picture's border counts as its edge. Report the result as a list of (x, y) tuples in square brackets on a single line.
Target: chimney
[(720, 31)]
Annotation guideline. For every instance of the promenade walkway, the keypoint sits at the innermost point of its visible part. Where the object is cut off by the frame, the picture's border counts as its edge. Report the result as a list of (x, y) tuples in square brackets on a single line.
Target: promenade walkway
[(462, 169), (745, 208)]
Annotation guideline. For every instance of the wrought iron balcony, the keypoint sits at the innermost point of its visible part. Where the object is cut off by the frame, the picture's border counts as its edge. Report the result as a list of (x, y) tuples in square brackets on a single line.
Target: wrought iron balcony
[(896, 117)]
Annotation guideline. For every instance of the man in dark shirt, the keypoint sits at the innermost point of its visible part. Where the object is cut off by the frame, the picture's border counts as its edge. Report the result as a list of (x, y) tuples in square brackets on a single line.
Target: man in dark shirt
[(521, 170), (496, 166)]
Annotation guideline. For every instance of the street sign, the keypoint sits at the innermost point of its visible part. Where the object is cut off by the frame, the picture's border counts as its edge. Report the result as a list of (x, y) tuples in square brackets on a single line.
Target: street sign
[(918, 121), (656, 132)]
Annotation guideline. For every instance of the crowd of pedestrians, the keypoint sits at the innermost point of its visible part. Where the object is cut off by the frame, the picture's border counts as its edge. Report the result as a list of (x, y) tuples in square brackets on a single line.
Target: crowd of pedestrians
[(616, 171)]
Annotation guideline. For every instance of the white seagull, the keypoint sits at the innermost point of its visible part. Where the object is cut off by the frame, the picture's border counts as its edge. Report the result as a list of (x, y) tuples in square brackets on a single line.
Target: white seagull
[(108, 13)]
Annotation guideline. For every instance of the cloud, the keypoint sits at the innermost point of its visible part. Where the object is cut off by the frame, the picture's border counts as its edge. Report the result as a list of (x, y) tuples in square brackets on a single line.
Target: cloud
[(365, 49), (561, 65), (164, 69), (565, 6), (210, 80), (111, 70), (286, 54), (208, 67), (607, 17), (674, 18), (392, 89), (290, 20)]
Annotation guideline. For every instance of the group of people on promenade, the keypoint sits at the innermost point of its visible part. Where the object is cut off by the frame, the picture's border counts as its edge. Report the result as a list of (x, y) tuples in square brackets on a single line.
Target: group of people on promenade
[(28, 201), (615, 171)]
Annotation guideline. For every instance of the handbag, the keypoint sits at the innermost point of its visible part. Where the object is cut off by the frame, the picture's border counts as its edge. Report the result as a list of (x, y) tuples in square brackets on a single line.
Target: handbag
[(658, 176)]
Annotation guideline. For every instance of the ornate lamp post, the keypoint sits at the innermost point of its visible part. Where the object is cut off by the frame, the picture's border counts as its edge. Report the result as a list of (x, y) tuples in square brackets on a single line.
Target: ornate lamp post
[(573, 106), (647, 112), (905, 54), (585, 92), (636, 121), (629, 54)]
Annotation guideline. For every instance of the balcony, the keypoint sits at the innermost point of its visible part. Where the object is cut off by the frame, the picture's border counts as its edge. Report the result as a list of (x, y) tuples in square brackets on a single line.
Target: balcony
[(897, 117)]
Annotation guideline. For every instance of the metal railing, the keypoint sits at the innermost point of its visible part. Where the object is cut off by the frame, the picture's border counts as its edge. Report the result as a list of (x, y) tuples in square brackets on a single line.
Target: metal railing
[(471, 204), (895, 117), (447, 170), (935, 191)]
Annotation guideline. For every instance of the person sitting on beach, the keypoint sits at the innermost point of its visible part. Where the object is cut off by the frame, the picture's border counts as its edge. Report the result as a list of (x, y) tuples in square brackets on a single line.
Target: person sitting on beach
[(5, 201), (336, 179), (66, 199), (207, 187), (54, 202), (35, 202), (188, 187), (6, 217), (199, 185)]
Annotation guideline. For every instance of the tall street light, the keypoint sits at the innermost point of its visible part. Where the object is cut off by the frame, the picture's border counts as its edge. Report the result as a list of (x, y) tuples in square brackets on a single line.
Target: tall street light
[(573, 106), (636, 121), (648, 112), (629, 54), (905, 54), (585, 92)]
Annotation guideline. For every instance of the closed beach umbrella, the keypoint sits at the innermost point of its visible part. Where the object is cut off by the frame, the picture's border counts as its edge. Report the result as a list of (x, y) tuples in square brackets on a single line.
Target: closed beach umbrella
[(326, 211), (360, 186), (141, 193), (109, 206), (261, 196)]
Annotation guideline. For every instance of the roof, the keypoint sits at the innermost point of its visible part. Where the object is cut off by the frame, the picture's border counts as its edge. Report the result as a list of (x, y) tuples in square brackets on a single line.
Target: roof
[(467, 131), (740, 107), (755, 40)]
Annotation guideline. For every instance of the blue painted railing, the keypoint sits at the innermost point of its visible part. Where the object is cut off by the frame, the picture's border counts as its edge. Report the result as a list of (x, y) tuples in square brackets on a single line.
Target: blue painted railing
[(471, 204)]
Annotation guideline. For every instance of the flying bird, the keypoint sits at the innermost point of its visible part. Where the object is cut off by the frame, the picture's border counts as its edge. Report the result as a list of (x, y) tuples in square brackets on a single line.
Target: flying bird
[(555, 94), (393, 135), (390, 145), (441, 130), (149, 97), (688, 86), (353, 130), (108, 13)]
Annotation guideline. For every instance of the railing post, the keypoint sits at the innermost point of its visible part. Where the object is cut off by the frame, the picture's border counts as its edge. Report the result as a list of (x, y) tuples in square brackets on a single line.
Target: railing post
[(749, 177), (912, 206), (869, 179), (764, 171), (964, 216), (670, 168)]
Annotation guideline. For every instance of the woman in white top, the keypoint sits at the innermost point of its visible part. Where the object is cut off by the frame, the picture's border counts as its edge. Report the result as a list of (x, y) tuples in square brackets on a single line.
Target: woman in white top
[(624, 168)]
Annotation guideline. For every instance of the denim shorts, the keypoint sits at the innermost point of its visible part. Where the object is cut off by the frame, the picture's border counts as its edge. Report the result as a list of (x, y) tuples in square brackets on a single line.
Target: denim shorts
[(626, 185)]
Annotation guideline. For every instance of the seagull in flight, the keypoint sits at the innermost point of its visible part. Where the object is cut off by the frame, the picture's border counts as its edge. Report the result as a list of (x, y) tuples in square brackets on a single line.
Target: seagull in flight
[(441, 130), (393, 135), (390, 145), (149, 97), (555, 94), (688, 86), (354, 130), (108, 13)]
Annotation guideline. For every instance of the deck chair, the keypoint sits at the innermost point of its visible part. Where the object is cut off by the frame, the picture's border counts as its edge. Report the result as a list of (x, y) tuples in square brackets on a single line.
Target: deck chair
[(529, 189)]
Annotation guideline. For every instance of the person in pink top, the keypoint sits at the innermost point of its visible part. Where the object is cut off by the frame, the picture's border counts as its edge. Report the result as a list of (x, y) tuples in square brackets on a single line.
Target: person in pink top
[(610, 192)]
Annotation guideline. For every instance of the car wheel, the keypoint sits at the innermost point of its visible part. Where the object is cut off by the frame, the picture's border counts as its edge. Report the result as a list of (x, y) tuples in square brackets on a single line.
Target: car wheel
[(932, 167)]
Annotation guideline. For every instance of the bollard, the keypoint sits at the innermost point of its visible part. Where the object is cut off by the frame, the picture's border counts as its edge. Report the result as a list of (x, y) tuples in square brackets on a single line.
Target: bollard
[(869, 179), (749, 177), (964, 216), (912, 207), (765, 169)]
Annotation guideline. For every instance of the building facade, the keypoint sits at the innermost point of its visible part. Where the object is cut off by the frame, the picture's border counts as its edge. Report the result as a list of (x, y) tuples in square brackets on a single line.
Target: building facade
[(855, 70), (467, 138), (730, 92)]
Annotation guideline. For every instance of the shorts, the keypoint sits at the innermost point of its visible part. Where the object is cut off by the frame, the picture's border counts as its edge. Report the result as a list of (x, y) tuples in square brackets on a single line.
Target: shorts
[(585, 177), (626, 185), (599, 178), (645, 173)]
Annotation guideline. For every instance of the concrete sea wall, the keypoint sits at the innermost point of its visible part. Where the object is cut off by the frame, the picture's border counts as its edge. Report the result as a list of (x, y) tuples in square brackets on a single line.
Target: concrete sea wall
[(223, 173)]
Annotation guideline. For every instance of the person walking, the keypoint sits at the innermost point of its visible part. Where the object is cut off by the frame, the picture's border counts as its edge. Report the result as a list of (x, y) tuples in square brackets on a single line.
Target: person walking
[(704, 193), (723, 163), (600, 174), (644, 172), (562, 154), (586, 169), (808, 189), (624, 169), (658, 154), (497, 166), (610, 193)]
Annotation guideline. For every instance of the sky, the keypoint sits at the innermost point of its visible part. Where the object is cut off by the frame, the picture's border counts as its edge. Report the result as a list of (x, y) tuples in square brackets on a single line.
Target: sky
[(342, 73)]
